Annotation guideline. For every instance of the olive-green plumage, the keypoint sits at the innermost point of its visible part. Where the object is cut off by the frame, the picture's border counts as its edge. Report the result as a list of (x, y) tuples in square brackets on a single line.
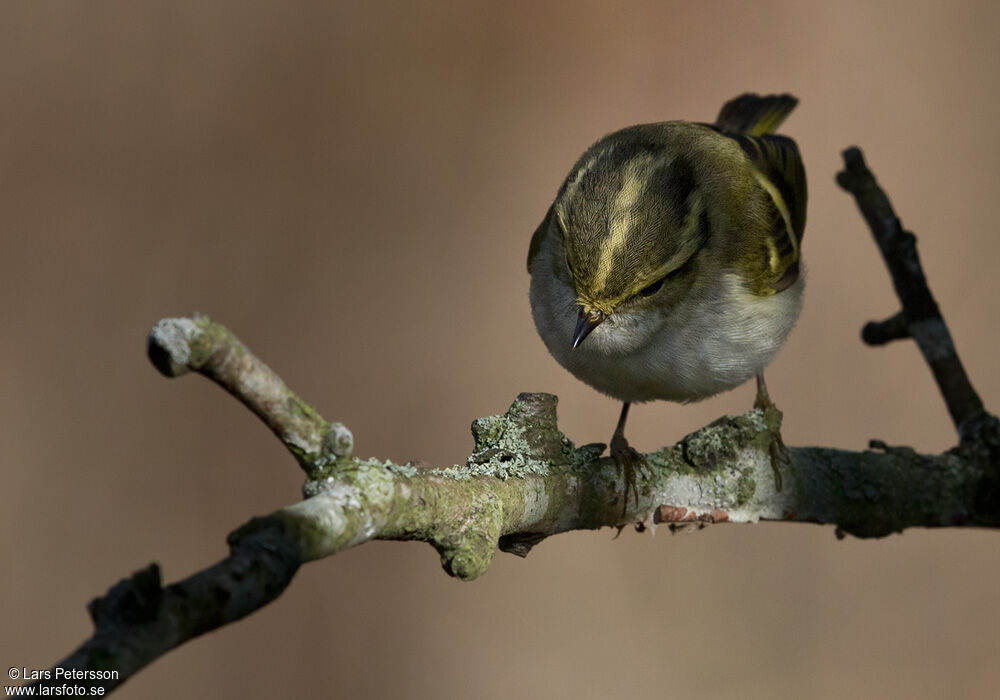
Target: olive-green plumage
[(642, 201), (669, 264)]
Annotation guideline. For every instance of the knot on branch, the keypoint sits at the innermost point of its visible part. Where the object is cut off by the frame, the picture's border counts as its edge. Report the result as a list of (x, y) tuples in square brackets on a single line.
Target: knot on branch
[(719, 441), (469, 553), (528, 428), (339, 442), (132, 601), (170, 342)]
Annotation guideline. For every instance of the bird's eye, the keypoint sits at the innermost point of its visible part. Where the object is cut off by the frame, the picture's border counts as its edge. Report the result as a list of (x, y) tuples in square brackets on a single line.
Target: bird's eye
[(651, 289)]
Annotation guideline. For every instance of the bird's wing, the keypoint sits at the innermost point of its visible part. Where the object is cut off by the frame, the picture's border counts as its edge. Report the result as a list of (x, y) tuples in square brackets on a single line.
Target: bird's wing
[(536, 238), (750, 120), (778, 169)]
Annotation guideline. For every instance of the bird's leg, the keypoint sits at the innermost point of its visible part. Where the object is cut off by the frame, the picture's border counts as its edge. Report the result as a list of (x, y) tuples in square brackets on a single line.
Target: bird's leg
[(628, 461), (779, 453), (763, 400)]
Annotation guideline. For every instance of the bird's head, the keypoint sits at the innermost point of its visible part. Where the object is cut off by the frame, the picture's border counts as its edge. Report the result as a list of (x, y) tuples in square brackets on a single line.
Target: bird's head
[(633, 218)]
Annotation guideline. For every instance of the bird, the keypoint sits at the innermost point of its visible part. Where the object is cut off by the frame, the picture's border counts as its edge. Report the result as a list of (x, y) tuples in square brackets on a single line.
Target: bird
[(669, 265)]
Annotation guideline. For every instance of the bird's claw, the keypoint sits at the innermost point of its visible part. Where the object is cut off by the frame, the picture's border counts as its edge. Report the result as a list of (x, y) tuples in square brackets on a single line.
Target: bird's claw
[(780, 458), (778, 452), (630, 464)]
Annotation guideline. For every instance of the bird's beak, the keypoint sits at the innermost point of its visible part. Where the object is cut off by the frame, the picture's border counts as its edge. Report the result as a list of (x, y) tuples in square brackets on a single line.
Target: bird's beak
[(585, 323)]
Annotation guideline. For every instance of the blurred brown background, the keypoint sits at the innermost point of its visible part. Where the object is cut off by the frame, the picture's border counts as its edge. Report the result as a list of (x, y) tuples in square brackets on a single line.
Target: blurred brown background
[(351, 188)]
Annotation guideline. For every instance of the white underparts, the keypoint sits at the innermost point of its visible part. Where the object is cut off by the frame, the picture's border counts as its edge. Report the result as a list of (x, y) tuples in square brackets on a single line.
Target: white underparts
[(710, 342)]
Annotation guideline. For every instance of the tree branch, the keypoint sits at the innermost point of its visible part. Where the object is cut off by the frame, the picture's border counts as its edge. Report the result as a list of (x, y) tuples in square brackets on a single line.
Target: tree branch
[(177, 346), (920, 317), (138, 620), (525, 480)]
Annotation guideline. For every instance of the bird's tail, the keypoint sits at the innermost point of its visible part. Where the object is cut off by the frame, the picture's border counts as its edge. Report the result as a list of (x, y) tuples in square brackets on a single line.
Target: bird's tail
[(754, 115)]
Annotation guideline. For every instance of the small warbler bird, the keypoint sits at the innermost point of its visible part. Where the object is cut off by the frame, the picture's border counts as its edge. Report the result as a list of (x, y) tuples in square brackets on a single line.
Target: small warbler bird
[(669, 265)]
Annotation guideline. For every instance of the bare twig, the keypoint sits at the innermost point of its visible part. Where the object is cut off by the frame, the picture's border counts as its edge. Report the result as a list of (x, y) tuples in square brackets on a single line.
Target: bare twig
[(881, 332), (920, 317), (178, 345), (138, 620)]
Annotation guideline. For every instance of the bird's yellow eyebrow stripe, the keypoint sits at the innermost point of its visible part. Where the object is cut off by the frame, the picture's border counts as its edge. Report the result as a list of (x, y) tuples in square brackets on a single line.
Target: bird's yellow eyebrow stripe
[(692, 246), (635, 179)]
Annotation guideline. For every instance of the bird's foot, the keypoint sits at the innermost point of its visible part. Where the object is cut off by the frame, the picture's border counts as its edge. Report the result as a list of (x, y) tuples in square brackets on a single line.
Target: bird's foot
[(778, 452), (780, 458), (762, 401), (630, 465)]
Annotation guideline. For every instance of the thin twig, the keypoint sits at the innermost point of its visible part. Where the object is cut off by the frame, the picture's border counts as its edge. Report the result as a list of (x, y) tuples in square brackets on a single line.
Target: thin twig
[(920, 315), (893, 328), (178, 345), (138, 620)]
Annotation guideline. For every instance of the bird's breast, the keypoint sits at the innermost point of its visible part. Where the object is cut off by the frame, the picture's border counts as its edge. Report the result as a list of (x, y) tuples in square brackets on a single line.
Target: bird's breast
[(709, 343)]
